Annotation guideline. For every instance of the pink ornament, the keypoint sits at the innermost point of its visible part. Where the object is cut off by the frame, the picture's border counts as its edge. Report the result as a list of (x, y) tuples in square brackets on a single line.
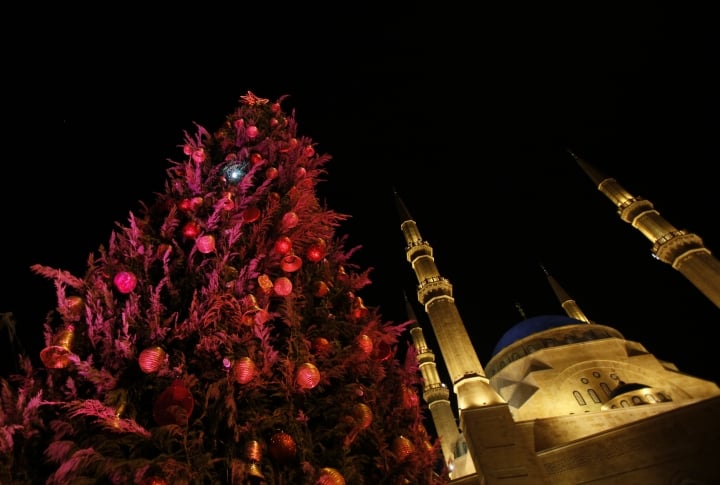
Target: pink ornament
[(316, 251), (289, 220), (151, 359), (309, 151), (199, 155), (191, 230), (252, 131), (291, 263), (271, 173), (125, 281), (283, 245), (283, 286), (251, 214), (239, 124), (255, 158), (307, 376), (244, 370), (301, 172), (187, 150), (205, 244)]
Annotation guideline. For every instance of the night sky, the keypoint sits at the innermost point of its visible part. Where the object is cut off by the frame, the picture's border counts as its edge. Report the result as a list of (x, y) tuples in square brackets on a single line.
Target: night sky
[(467, 113)]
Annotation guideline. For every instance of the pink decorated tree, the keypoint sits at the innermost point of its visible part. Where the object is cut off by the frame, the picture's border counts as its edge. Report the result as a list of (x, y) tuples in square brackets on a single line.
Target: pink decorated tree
[(220, 337)]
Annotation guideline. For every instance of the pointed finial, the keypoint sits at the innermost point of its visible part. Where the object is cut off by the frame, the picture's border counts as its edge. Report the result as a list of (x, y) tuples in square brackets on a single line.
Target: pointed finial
[(410, 310), (402, 210), (544, 270), (595, 175), (520, 310)]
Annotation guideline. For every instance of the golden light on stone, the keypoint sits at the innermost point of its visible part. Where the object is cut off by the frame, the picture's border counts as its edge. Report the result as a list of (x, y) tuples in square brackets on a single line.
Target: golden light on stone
[(244, 370), (151, 359), (56, 355), (307, 376), (330, 476)]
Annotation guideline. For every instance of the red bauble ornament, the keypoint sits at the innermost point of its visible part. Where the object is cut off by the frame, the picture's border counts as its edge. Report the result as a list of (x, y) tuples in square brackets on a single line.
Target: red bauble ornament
[(291, 263), (151, 359), (205, 244), (174, 405), (282, 286), (255, 158), (275, 107), (330, 476), (289, 220), (283, 245), (191, 230), (125, 281), (187, 150), (251, 214), (271, 173), (316, 251), (282, 447), (307, 376), (245, 370), (320, 345), (320, 288), (252, 131), (308, 151), (228, 202), (301, 172), (199, 155)]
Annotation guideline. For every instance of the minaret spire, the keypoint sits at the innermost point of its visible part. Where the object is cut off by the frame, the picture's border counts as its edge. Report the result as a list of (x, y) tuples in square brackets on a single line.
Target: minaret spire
[(437, 396), (683, 250), (494, 445), (435, 293), (572, 309)]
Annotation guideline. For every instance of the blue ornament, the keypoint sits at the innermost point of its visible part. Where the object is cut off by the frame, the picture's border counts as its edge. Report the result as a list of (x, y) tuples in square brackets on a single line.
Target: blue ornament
[(234, 172)]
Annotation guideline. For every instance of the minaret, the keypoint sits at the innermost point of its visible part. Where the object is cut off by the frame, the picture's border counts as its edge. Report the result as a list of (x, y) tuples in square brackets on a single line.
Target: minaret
[(572, 309), (683, 250), (437, 396), (435, 293)]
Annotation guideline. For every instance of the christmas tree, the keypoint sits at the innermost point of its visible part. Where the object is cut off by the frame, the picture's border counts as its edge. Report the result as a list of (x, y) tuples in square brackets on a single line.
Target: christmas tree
[(220, 337)]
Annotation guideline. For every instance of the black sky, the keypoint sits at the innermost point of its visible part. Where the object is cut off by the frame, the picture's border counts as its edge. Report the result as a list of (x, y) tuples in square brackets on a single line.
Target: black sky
[(467, 112)]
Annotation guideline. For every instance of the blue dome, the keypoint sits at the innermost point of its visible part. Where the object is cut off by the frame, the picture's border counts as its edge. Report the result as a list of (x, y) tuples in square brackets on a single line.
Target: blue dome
[(530, 326)]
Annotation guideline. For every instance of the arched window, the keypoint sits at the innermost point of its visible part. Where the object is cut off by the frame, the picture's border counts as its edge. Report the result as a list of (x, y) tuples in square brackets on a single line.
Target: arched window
[(578, 397), (605, 388), (593, 395)]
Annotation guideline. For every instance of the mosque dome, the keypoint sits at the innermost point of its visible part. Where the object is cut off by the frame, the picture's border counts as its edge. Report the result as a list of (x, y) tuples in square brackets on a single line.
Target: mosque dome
[(533, 325)]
